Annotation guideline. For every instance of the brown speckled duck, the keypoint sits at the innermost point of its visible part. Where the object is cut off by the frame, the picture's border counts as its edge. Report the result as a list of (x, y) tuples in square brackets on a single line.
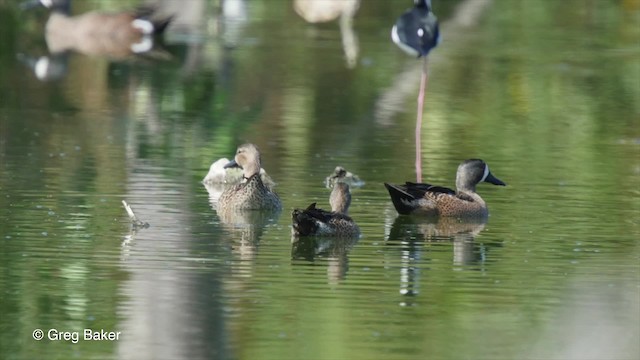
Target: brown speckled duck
[(251, 193), (336, 223), (430, 200)]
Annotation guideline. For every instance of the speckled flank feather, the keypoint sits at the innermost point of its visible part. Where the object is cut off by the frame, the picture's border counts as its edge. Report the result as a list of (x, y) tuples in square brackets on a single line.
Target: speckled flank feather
[(249, 195), (430, 200)]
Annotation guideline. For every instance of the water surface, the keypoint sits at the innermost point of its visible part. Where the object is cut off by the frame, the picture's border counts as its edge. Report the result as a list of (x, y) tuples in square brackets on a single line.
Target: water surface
[(546, 93)]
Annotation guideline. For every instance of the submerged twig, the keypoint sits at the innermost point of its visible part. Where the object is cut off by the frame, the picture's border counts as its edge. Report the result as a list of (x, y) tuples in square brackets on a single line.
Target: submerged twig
[(134, 219)]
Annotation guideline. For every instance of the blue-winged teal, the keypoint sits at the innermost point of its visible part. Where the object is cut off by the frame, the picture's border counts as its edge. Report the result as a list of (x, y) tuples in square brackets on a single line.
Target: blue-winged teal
[(251, 193), (342, 175), (416, 31), (313, 221), (218, 174), (430, 200), (116, 34)]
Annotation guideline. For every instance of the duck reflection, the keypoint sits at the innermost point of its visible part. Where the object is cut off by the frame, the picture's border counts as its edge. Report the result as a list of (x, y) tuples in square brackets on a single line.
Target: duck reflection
[(245, 226), (335, 250), (412, 232), (460, 233), (319, 11)]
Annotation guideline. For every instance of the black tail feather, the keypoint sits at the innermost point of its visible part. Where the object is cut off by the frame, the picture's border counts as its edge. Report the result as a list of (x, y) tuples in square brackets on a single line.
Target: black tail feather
[(303, 223), (400, 198)]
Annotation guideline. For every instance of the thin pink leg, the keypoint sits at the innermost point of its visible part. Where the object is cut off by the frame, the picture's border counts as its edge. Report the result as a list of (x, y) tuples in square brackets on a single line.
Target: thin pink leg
[(423, 87)]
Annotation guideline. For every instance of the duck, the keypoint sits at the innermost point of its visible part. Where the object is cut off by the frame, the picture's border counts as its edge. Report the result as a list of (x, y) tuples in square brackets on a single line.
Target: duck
[(251, 193), (115, 34), (340, 174), (314, 221), (430, 200), (416, 31), (218, 174)]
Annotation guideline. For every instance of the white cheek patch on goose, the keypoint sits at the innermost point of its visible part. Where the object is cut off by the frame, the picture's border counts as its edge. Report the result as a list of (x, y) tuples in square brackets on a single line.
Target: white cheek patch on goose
[(145, 26), (42, 67), (486, 173), (47, 3)]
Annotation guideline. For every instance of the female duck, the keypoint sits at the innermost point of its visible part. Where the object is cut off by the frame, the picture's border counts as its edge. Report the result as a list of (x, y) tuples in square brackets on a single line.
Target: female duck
[(430, 200), (251, 193), (313, 221)]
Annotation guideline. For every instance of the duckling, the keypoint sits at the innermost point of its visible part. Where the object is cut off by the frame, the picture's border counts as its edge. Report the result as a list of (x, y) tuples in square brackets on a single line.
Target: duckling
[(314, 221), (342, 175), (251, 193), (430, 200)]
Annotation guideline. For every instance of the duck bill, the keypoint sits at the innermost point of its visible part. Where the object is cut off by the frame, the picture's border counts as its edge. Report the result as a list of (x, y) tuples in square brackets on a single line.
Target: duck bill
[(232, 164), (494, 180)]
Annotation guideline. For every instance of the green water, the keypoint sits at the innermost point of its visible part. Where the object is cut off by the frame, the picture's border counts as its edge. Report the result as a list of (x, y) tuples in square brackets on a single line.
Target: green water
[(546, 92)]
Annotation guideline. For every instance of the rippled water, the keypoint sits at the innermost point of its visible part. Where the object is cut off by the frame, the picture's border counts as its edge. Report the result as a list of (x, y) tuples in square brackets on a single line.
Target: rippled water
[(546, 93)]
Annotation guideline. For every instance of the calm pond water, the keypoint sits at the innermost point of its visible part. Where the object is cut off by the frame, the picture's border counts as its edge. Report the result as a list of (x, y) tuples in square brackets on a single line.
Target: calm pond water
[(547, 92)]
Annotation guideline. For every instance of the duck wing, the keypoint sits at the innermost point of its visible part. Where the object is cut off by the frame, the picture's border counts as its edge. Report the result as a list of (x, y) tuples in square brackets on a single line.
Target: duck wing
[(412, 197), (420, 189)]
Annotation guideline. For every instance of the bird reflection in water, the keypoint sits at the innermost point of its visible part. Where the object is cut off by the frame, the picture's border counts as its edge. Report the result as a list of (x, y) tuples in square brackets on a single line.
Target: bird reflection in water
[(411, 233), (334, 250), (245, 227)]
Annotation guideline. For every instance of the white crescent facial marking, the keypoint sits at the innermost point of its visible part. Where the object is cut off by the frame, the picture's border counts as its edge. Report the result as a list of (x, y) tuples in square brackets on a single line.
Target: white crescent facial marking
[(47, 3), (486, 172)]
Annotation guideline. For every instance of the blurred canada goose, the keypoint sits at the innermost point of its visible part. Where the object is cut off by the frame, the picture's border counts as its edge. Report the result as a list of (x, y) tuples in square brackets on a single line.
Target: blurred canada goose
[(430, 200), (251, 193), (114, 34), (320, 11)]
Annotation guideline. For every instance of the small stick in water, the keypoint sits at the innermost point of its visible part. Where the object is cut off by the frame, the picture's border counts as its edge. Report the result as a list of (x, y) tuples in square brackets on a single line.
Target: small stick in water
[(134, 219)]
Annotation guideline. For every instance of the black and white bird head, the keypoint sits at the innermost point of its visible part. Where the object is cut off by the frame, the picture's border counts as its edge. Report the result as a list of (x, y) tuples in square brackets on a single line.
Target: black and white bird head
[(416, 31)]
